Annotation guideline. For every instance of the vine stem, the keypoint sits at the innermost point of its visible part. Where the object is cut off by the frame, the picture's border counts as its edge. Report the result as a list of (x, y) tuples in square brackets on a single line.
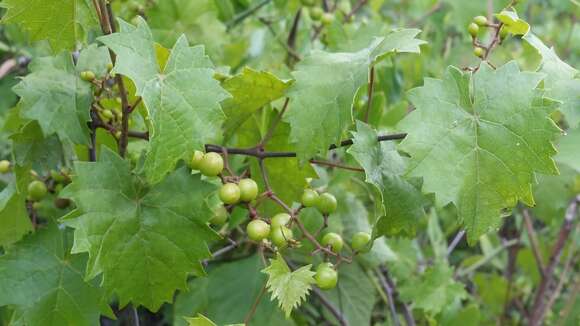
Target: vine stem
[(533, 241), (455, 242), (255, 305), (539, 306), (387, 282), (370, 93), (492, 255), (391, 300)]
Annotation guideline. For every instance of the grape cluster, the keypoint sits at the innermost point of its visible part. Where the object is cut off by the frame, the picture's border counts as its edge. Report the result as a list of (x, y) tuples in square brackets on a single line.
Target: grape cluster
[(276, 233)]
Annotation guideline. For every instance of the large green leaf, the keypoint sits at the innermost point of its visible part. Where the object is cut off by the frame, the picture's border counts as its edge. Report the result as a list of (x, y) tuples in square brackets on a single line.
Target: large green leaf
[(62, 22), (144, 240), (326, 84), (479, 145), (55, 96), (384, 168), (562, 82), (14, 219), (45, 283), (30, 146), (182, 99), (250, 91)]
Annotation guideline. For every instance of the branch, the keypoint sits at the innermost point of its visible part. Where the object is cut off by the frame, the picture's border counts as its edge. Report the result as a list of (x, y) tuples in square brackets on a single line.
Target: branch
[(455, 242), (354, 10), (391, 300), (249, 12), (260, 153), (483, 261), (385, 276), (533, 241), (333, 310), (539, 307), (370, 93)]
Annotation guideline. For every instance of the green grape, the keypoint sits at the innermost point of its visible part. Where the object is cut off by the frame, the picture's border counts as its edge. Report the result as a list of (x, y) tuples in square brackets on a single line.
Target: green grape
[(258, 230), (480, 20), (196, 159), (360, 241), (248, 190), (309, 198), (281, 219), (4, 166), (333, 240), (230, 193), (327, 19), (211, 165), (220, 216), (88, 75), (326, 276), (308, 3), (478, 52), (37, 190), (326, 203), (316, 13), (281, 235), (503, 32), (473, 29)]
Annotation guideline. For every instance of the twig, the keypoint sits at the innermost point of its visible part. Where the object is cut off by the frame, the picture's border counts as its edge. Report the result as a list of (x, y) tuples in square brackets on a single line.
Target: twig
[(355, 9), (290, 51), (337, 165), (406, 310), (539, 307), (485, 260), (391, 300), (333, 310), (255, 305), (435, 8), (249, 12), (455, 242), (272, 128), (256, 152), (135, 316), (533, 241), (570, 303), (370, 93), (291, 41), (93, 133)]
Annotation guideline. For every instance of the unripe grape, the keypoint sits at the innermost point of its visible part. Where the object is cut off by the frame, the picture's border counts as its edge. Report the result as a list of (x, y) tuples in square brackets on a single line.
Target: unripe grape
[(4, 166), (327, 19), (220, 216), (281, 235), (478, 52), (258, 230), (480, 20), (308, 3), (248, 190), (326, 276), (309, 198), (211, 165), (333, 240), (230, 193), (316, 13), (109, 67), (107, 114), (473, 29), (503, 33), (37, 190), (360, 242), (281, 219), (88, 75), (326, 203), (196, 159)]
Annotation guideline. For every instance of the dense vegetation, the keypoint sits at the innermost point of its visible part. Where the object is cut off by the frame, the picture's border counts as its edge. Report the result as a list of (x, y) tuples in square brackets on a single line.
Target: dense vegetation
[(289, 162)]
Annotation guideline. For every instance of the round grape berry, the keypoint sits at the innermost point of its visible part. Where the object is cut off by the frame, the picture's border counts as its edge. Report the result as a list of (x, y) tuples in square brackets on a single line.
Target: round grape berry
[(37, 190), (326, 276), (196, 159), (258, 230), (316, 13), (220, 216), (281, 219), (327, 19), (88, 75), (333, 240), (308, 3), (281, 235), (309, 198), (211, 165), (478, 52), (230, 193), (360, 241), (480, 20), (326, 203), (248, 190), (473, 29), (4, 166)]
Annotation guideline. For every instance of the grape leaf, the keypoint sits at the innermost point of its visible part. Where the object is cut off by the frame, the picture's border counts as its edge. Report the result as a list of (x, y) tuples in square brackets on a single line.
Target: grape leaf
[(435, 289), (384, 167), (562, 82), (144, 240), (183, 99), (30, 146), (568, 152), (512, 23), (14, 219), (96, 59), (62, 22), (250, 91), (323, 93), (55, 96), (479, 147), (45, 282), (200, 320), (288, 287)]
